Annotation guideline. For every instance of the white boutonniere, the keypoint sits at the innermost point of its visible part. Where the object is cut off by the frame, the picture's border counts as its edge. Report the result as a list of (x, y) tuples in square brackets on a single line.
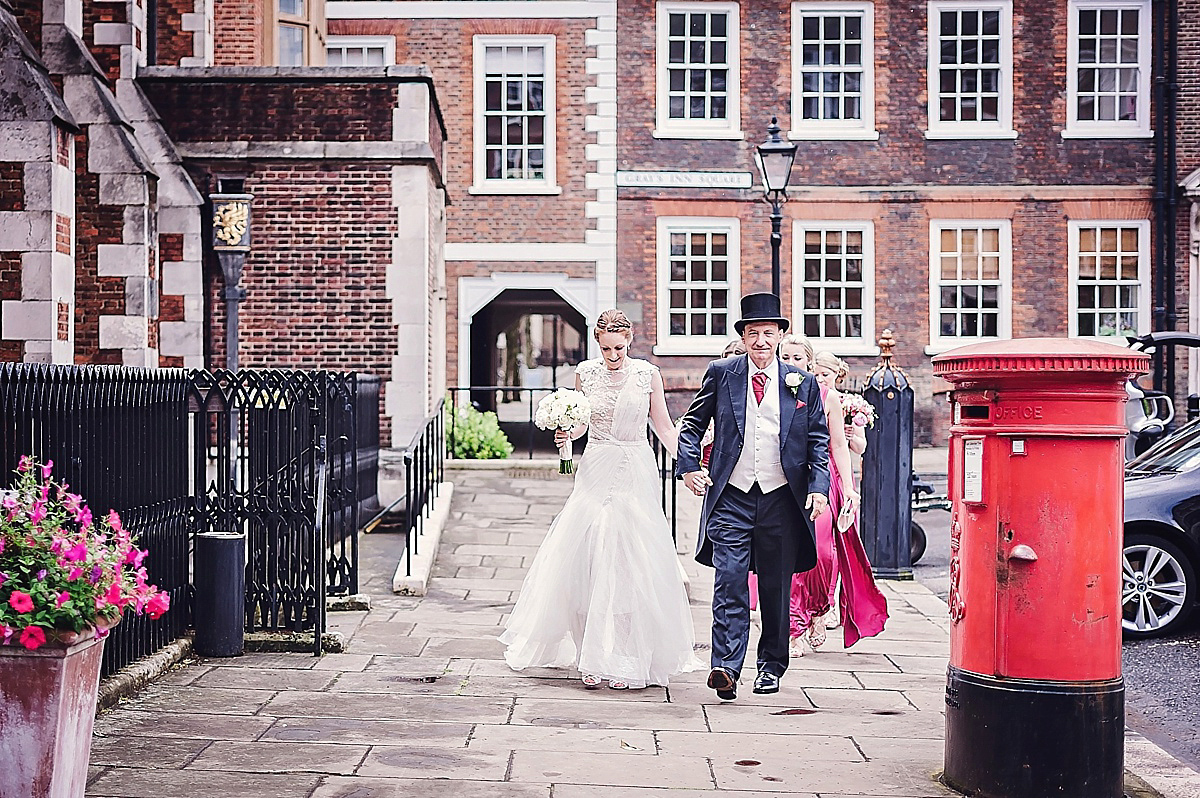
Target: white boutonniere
[(792, 380)]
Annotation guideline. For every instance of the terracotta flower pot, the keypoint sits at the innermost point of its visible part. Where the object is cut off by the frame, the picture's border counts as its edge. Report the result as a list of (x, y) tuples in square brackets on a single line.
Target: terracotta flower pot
[(47, 706)]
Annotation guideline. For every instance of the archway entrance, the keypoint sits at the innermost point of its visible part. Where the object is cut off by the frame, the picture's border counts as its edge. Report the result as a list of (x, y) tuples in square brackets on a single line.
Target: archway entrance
[(523, 338)]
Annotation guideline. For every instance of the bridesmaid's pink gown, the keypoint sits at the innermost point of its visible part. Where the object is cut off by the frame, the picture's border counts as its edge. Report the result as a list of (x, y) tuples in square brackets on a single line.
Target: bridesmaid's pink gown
[(863, 606)]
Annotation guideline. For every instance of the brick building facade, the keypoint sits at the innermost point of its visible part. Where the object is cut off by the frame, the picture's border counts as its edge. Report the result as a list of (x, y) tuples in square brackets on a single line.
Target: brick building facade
[(966, 169), (121, 128)]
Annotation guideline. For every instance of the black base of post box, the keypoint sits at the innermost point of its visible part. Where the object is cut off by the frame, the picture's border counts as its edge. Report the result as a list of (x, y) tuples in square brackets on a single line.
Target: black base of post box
[(1023, 738), (220, 565)]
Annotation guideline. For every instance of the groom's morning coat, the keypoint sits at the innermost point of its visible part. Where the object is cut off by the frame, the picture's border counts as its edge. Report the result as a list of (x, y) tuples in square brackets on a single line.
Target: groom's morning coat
[(803, 442)]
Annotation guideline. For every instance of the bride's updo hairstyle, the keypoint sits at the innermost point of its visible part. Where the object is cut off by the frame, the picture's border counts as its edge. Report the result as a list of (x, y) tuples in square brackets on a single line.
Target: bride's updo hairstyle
[(613, 321)]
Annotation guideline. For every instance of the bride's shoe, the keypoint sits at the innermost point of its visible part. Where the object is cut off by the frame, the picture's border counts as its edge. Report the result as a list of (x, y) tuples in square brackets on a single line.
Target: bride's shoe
[(796, 649), (592, 682), (617, 684)]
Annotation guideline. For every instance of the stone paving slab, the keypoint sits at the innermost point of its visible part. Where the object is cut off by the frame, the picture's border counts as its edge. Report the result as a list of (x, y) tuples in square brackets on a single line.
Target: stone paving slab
[(424, 706)]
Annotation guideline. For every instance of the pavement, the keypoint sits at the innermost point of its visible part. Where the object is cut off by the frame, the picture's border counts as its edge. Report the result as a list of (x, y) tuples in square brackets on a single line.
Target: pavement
[(422, 703)]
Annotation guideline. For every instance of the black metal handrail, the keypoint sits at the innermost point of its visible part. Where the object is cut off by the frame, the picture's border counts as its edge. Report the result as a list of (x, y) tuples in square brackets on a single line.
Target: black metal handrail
[(668, 484), (424, 471)]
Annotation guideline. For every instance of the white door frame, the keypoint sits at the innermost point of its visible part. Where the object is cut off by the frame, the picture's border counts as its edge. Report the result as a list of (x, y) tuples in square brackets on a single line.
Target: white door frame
[(474, 293)]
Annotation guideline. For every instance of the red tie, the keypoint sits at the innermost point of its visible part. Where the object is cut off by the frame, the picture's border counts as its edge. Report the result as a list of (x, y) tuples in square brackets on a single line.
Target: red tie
[(759, 381)]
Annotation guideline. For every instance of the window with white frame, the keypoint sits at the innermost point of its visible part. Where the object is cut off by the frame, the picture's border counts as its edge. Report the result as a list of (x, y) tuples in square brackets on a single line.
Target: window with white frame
[(970, 69), (698, 284), (833, 283), (360, 51), (1109, 271), (1108, 68), (514, 115), (833, 70), (697, 71), (970, 275)]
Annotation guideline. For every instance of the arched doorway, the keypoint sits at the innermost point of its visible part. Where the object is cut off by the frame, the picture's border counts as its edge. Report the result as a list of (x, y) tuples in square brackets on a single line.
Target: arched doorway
[(523, 338)]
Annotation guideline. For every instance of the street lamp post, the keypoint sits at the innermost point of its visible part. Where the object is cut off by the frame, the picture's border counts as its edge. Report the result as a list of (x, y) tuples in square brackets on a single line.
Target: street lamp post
[(775, 157)]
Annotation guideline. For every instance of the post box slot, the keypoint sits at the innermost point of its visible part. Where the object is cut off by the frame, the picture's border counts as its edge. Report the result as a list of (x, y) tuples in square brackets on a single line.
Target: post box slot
[(976, 412)]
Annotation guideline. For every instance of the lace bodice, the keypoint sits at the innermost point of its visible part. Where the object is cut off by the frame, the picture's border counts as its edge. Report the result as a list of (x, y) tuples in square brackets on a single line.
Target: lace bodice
[(620, 399)]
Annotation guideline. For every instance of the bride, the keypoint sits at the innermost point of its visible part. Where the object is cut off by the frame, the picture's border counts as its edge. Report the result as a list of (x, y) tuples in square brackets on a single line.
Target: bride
[(605, 593)]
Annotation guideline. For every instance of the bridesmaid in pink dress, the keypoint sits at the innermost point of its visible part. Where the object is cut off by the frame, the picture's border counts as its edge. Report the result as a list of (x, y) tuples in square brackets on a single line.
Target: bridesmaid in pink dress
[(839, 549)]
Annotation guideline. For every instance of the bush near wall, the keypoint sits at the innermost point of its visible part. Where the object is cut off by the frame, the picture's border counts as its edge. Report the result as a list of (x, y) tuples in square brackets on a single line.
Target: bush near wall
[(476, 435)]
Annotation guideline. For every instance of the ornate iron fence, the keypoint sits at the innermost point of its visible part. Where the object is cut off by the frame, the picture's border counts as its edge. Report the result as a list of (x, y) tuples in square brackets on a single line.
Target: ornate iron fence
[(118, 436), (274, 454)]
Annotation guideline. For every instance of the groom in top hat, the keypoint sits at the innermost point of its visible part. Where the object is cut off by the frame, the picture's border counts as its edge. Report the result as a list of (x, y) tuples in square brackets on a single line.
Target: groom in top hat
[(766, 483)]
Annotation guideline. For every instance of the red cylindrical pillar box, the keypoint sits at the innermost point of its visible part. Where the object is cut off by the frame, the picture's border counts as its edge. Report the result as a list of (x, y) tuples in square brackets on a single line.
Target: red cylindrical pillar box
[(1035, 700)]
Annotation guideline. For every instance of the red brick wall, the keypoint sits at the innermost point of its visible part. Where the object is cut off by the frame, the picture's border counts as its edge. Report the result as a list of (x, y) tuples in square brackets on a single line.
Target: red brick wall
[(29, 17), (10, 289), (446, 47), (273, 111), (12, 186), (95, 296), (238, 32), (902, 154), (173, 42), (108, 56), (316, 277), (1189, 88)]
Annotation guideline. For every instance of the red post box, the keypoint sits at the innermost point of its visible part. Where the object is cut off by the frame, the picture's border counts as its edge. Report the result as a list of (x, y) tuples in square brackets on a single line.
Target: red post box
[(1035, 700)]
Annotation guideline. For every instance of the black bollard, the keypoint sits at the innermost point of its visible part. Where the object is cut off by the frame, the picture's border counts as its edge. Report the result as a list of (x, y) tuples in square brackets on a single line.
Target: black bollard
[(220, 563), (886, 528)]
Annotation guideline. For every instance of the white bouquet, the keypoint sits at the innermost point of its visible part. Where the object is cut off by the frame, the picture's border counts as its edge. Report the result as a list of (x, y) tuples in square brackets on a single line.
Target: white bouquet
[(564, 409)]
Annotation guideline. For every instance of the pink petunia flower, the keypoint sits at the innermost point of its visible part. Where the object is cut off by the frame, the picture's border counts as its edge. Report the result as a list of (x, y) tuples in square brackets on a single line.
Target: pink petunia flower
[(21, 602), (62, 599), (3, 578), (33, 637), (47, 468), (74, 574), (157, 605), (77, 553), (134, 557), (6, 632), (25, 463), (38, 513)]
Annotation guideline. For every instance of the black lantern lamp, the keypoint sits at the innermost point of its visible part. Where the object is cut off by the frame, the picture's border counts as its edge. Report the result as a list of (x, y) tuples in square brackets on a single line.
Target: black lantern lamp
[(775, 157), (231, 242)]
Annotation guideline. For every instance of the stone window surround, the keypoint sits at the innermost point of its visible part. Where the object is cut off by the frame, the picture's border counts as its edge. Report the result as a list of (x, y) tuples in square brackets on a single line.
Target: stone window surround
[(387, 43), (548, 185), (1074, 227), (1139, 128), (707, 345), (731, 126), (1002, 128), (865, 343), (937, 342), (857, 129)]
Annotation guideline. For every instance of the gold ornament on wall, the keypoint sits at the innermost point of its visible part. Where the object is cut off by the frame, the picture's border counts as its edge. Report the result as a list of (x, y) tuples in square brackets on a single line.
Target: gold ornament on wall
[(230, 223)]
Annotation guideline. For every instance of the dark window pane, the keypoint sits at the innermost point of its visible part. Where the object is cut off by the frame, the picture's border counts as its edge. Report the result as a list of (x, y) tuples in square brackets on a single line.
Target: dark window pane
[(853, 271), (949, 23), (495, 164), (718, 108), (720, 298), (678, 299), (811, 27), (675, 51), (854, 298), (991, 325), (719, 24), (833, 27), (1087, 324), (853, 55), (699, 296), (812, 270), (718, 271), (854, 28), (698, 25), (677, 79), (719, 321), (718, 80), (970, 325), (812, 326), (970, 296), (970, 52), (676, 24), (991, 51), (719, 244), (718, 51), (697, 108), (833, 327), (991, 23), (809, 81), (949, 326), (678, 270), (1108, 22), (678, 326), (699, 324), (699, 271), (854, 326), (970, 23), (535, 95), (494, 91), (833, 270), (991, 108), (698, 79), (696, 52), (495, 130), (833, 298), (1129, 22), (811, 108), (949, 52), (1087, 23), (812, 298), (1087, 51), (949, 296), (677, 106)]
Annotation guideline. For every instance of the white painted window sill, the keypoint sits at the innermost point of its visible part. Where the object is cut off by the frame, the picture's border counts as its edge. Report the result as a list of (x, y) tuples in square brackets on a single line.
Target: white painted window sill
[(964, 133), (501, 188), (938, 347), (833, 135), (710, 349), (1107, 133), (715, 134)]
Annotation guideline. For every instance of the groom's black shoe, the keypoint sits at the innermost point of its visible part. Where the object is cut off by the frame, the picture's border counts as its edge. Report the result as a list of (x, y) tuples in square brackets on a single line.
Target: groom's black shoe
[(724, 682), (766, 682)]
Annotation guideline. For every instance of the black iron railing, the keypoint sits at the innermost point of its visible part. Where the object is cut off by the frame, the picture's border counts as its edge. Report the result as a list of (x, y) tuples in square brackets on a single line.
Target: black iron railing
[(270, 453), (530, 396), (118, 437), (424, 471), (668, 484), (366, 419)]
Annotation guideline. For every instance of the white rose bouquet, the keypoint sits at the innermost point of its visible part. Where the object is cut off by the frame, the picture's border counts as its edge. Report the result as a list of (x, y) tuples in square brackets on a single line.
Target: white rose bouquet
[(564, 409)]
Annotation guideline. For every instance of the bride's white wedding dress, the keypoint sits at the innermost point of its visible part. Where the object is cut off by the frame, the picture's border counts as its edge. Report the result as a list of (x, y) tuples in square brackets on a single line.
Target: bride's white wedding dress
[(605, 593)]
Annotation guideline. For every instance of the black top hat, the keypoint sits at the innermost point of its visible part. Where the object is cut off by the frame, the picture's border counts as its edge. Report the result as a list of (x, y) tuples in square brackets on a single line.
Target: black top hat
[(761, 307)]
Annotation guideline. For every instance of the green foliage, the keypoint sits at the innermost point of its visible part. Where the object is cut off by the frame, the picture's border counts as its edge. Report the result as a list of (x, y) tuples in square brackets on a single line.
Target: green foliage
[(476, 436)]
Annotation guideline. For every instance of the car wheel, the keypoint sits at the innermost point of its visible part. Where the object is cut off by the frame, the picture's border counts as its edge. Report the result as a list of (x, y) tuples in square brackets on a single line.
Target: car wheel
[(918, 543), (1158, 586)]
